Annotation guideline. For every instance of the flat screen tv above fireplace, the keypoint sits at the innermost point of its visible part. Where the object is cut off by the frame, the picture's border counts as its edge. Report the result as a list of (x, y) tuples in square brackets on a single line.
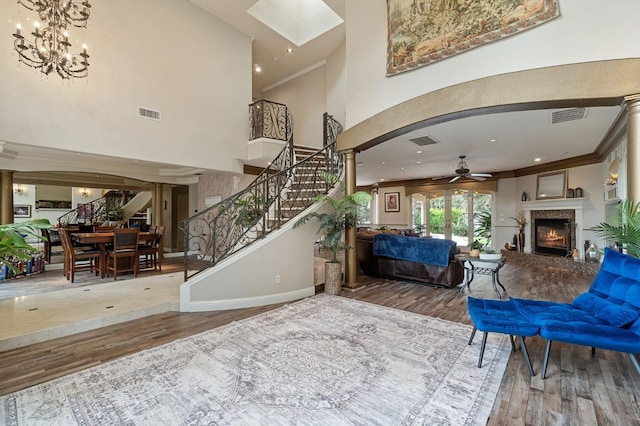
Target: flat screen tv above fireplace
[(552, 236)]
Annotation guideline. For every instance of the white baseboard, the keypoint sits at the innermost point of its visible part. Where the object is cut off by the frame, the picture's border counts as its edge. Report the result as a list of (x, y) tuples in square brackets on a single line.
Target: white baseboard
[(249, 302)]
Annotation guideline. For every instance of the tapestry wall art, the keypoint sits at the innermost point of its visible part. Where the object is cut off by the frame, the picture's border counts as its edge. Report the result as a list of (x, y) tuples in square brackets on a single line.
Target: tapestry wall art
[(424, 31)]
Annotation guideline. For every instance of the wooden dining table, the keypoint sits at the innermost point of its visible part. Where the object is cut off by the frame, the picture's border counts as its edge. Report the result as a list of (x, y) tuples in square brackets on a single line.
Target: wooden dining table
[(102, 240)]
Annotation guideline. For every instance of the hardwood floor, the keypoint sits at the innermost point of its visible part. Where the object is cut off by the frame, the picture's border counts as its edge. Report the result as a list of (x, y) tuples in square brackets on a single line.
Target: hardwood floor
[(579, 389)]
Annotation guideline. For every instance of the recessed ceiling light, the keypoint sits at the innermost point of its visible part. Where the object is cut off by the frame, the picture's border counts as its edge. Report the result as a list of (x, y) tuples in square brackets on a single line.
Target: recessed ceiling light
[(418, 152), (257, 68), (492, 140), (537, 159), (384, 162), (382, 180), (418, 162), (289, 49)]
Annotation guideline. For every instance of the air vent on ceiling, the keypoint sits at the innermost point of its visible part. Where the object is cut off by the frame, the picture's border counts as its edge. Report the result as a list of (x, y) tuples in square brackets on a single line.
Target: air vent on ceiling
[(149, 113), (568, 115), (424, 141)]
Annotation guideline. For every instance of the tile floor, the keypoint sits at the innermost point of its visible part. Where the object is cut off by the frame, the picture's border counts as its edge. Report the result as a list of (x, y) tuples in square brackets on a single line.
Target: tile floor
[(25, 320)]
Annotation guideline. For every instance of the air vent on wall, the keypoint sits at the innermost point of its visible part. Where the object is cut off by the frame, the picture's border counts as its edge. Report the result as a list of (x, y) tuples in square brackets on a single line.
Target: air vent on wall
[(568, 115), (149, 113), (424, 141)]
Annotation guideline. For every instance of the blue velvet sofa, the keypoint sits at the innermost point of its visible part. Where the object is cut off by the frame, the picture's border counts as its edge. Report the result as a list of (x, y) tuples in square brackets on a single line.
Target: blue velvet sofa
[(605, 317)]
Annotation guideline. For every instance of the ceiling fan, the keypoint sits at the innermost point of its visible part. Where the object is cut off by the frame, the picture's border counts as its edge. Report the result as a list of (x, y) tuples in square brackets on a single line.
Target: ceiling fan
[(463, 171)]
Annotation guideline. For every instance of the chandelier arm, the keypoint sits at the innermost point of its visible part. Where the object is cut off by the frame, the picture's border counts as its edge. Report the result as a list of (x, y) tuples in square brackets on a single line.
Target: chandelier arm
[(49, 50)]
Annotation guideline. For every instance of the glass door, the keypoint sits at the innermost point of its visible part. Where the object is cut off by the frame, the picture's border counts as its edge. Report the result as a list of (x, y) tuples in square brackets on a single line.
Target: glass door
[(450, 214)]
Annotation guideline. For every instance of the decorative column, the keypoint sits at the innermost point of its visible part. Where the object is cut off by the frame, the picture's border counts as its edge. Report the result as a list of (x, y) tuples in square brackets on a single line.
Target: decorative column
[(157, 204), (351, 259), (6, 197), (633, 147)]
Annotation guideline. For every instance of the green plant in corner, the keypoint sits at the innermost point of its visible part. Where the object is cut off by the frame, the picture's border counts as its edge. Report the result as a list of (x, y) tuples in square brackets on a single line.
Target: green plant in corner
[(628, 232), (12, 239), (345, 212)]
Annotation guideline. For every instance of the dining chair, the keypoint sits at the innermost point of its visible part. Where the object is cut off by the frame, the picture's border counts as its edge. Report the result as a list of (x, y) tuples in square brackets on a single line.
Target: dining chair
[(76, 260), (125, 247), (52, 239), (150, 253)]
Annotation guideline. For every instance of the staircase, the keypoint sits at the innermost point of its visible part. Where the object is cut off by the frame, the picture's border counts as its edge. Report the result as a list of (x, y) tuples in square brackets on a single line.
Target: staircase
[(94, 212), (287, 187)]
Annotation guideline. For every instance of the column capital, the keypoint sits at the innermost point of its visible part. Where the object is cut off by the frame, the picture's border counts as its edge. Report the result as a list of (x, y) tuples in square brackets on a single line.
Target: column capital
[(631, 99)]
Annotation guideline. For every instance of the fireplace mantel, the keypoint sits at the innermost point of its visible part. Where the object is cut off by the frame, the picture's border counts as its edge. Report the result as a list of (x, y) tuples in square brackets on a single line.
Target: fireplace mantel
[(560, 204), (576, 204)]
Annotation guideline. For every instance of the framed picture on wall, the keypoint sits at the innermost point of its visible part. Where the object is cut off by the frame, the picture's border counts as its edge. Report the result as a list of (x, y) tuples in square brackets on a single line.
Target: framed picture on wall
[(392, 202), (21, 210)]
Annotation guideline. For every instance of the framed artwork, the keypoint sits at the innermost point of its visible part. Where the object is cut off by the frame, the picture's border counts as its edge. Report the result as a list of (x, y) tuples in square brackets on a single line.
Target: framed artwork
[(21, 210), (551, 185), (420, 32), (392, 202)]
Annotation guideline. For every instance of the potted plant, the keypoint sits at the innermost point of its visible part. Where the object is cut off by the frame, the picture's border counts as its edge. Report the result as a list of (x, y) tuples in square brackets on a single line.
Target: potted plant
[(345, 212), (626, 233), (12, 240), (114, 214), (490, 254), (474, 248)]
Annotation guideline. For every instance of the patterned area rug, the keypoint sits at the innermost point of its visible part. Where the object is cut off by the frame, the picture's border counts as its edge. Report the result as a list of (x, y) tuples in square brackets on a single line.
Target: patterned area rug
[(323, 360)]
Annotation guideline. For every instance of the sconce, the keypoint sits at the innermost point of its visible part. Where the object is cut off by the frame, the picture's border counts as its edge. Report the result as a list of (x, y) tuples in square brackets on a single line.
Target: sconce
[(84, 192), (18, 189)]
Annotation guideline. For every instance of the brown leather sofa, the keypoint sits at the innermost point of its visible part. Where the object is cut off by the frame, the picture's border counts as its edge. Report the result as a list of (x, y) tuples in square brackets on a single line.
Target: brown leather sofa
[(381, 266)]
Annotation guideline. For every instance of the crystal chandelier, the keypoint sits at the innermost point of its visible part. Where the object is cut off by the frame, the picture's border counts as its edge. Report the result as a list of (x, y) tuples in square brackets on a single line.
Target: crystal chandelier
[(49, 50)]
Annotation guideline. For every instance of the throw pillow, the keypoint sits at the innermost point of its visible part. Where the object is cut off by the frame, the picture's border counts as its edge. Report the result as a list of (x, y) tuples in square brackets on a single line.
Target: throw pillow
[(612, 313)]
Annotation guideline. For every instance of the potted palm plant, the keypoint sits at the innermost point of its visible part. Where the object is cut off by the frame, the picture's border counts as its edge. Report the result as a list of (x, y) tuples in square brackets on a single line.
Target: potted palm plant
[(345, 212), (627, 233)]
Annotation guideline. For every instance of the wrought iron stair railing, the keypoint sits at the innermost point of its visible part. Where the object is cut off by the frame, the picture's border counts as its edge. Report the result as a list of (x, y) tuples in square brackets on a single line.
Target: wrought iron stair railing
[(282, 191), (96, 211)]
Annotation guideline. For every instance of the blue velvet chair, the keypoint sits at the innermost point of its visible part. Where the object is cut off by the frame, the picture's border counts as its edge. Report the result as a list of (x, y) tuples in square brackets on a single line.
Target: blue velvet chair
[(605, 317)]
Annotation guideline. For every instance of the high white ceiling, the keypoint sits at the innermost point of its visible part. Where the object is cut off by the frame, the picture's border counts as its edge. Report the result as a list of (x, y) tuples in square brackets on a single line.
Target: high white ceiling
[(520, 137)]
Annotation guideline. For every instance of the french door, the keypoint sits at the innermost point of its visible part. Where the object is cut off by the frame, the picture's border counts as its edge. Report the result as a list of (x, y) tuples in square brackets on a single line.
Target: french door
[(449, 213)]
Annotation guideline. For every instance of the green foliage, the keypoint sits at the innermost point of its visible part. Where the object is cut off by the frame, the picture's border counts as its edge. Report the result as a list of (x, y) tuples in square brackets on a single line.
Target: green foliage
[(458, 220), (628, 232), (482, 226), (12, 243), (475, 245), (114, 213), (345, 213)]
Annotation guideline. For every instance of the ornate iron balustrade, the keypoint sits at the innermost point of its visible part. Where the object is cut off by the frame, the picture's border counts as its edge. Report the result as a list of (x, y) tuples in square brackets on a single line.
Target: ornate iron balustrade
[(269, 120), (276, 196), (96, 211)]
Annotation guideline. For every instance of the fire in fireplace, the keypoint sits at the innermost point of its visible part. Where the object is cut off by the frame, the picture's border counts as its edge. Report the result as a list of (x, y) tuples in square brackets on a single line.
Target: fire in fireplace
[(552, 236)]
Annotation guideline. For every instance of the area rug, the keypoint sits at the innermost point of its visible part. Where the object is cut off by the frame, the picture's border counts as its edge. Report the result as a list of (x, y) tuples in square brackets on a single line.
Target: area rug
[(324, 360)]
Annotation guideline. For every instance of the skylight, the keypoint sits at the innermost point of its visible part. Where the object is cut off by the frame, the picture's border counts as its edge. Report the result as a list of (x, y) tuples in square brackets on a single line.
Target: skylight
[(299, 21)]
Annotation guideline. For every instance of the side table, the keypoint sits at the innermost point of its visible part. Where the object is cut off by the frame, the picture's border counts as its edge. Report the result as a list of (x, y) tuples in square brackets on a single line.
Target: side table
[(484, 267)]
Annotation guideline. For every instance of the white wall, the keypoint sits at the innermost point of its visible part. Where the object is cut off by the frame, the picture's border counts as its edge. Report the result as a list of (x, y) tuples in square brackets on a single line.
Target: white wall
[(161, 54), (586, 30), (401, 219), (305, 97), (337, 84), (249, 278)]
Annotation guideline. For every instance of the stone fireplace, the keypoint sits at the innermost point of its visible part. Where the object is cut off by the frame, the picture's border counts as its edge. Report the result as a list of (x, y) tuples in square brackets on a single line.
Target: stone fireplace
[(554, 226), (552, 236)]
